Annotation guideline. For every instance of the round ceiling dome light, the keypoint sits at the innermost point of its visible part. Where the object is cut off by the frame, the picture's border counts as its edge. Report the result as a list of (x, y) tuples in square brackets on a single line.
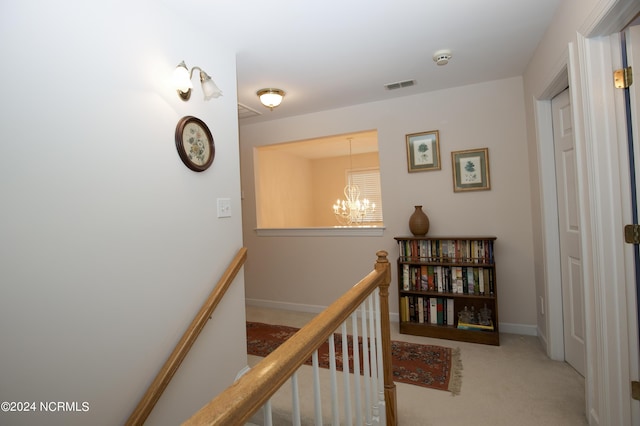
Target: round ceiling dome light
[(441, 57), (270, 98)]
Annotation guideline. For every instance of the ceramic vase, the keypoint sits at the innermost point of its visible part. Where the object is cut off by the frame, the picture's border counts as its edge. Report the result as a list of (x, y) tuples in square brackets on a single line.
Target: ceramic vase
[(419, 222)]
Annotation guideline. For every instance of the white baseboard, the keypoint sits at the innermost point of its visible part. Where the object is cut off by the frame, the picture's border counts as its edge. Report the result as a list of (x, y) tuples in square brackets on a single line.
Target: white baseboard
[(523, 329), (285, 306)]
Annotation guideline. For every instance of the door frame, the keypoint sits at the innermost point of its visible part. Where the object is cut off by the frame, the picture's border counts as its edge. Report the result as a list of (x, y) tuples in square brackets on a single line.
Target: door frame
[(603, 179), (553, 335), (610, 348), (602, 155)]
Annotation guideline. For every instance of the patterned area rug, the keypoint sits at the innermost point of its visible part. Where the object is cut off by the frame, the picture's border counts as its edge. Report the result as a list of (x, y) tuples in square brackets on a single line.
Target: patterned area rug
[(430, 366)]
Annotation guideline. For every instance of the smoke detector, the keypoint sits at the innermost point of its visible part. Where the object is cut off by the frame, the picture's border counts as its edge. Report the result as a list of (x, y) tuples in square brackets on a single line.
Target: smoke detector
[(441, 57)]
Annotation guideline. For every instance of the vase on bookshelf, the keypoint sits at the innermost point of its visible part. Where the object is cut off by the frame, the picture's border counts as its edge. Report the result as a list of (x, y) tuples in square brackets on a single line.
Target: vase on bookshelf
[(419, 222)]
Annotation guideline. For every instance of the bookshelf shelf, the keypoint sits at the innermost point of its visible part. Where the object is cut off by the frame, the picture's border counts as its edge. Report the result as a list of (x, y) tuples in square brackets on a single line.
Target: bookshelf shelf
[(444, 279)]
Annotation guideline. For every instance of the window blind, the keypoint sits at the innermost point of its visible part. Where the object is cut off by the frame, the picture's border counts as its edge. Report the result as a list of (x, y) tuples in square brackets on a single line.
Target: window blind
[(368, 182)]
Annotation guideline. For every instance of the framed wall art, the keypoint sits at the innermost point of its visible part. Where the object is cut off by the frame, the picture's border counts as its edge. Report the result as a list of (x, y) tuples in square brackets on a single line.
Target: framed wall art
[(471, 170), (423, 151), (195, 143)]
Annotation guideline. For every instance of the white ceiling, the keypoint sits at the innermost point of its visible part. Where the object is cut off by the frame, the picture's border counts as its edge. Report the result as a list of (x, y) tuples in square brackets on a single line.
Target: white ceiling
[(333, 53)]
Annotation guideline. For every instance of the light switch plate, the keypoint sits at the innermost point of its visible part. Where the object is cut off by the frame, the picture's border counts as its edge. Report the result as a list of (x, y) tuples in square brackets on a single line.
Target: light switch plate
[(224, 207)]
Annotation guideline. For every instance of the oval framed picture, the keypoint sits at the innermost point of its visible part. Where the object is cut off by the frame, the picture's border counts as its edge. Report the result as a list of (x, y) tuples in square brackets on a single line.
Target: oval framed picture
[(195, 143)]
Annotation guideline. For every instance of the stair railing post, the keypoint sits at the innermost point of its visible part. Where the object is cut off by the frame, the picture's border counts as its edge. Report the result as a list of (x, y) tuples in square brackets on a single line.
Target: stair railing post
[(382, 264)]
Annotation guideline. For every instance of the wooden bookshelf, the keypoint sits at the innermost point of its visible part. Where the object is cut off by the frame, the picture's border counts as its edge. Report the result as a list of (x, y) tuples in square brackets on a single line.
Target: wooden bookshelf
[(440, 277)]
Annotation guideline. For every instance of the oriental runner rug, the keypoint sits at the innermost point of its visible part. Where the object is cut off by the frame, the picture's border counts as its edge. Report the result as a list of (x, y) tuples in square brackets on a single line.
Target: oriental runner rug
[(430, 366)]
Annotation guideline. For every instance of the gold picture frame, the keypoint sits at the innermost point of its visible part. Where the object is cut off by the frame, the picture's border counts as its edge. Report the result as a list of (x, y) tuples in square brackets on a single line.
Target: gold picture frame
[(471, 170), (423, 151)]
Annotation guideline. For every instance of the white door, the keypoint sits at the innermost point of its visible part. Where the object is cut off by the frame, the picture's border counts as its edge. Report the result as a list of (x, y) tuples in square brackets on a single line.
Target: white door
[(569, 225)]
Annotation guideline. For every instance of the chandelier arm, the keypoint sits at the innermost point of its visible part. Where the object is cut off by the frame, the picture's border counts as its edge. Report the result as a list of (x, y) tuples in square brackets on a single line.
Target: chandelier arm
[(351, 211)]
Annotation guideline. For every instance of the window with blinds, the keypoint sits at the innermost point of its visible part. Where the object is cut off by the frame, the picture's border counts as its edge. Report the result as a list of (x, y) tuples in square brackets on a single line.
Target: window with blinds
[(368, 182)]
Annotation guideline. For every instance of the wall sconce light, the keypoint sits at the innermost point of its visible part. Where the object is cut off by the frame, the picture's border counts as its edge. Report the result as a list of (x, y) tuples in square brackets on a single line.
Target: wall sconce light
[(270, 98), (182, 83)]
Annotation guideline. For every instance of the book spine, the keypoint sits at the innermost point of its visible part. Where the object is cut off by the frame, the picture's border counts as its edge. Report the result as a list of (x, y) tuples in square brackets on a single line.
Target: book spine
[(476, 281), (405, 277), (491, 282), (450, 312), (432, 278), (424, 278), (403, 309), (433, 310), (412, 309)]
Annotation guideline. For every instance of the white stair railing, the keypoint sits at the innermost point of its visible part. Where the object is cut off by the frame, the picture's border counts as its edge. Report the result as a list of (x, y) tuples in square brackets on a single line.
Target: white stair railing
[(364, 396), (361, 397)]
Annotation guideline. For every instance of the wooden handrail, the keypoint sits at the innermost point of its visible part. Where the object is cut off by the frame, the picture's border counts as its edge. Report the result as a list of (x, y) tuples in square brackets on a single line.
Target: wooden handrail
[(241, 400), (164, 376)]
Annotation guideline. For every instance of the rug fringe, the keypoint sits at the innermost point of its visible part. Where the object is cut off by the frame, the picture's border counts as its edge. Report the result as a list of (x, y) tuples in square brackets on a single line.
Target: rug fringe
[(455, 382)]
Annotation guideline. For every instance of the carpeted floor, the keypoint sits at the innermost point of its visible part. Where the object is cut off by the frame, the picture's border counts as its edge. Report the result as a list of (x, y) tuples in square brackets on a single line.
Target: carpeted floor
[(431, 366), (511, 384)]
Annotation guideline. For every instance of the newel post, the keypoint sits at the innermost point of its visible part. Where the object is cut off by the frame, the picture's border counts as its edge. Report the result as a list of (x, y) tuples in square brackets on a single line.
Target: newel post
[(383, 265)]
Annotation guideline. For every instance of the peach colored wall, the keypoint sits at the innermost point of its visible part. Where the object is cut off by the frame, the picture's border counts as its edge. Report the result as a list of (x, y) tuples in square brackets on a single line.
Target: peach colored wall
[(282, 184), (329, 182)]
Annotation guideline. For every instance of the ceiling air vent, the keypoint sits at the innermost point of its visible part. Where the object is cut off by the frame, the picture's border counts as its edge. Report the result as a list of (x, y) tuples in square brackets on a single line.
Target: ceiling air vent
[(399, 84), (246, 112)]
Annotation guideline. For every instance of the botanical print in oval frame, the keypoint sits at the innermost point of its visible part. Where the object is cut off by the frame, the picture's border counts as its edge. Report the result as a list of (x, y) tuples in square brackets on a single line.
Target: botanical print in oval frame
[(471, 170), (194, 143)]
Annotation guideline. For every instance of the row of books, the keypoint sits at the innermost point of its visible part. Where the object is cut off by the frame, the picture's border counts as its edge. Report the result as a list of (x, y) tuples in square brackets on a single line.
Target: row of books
[(430, 310), (436, 311), (451, 251), (448, 279)]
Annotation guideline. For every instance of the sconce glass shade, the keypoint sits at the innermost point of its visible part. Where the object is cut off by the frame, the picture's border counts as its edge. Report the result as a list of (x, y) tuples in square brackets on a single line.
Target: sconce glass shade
[(209, 88), (270, 98), (181, 78), (182, 83)]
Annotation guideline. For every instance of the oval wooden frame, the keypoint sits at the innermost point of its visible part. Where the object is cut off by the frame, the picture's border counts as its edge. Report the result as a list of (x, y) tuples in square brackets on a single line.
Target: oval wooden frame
[(184, 156)]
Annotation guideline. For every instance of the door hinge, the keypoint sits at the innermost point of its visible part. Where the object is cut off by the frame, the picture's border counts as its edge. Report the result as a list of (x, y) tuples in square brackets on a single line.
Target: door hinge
[(635, 390), (623, 78), (632, 234)]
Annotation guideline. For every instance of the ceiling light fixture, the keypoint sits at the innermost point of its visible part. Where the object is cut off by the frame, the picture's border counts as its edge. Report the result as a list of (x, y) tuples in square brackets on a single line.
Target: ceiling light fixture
[(182, 83), (270, 98), (441, 57)]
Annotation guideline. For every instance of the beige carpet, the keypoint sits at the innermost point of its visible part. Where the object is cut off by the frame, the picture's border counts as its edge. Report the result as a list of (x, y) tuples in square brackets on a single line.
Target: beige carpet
[(511, 384)]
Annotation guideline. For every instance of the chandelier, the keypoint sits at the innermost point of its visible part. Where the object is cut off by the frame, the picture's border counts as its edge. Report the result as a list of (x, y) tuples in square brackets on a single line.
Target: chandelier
[(351, 211)]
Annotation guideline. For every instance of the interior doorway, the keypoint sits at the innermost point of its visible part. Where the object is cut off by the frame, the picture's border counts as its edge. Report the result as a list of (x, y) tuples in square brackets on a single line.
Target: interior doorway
[(573, 302), (611, 334)]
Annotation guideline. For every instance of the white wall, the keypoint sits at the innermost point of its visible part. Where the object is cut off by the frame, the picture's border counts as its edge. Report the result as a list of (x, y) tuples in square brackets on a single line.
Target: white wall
[(108, 243), (313, 271)]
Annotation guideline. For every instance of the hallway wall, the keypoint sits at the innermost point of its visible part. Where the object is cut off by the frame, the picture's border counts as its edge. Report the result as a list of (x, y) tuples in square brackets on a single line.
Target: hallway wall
[(108, 243)]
